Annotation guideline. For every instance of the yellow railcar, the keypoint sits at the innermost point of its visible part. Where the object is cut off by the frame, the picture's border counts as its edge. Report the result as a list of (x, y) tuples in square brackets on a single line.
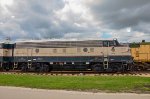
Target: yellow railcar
[(141, 55)]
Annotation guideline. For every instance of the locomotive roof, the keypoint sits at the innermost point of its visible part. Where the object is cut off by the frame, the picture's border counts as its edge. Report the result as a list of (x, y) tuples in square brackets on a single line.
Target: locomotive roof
[(63, 44)]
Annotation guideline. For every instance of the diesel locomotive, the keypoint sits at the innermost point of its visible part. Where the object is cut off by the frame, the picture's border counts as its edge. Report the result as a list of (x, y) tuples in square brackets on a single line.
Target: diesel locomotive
[(46, 56)]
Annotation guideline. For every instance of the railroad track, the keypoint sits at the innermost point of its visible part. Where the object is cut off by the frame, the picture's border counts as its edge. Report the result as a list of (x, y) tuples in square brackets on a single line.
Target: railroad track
[(81, 73)]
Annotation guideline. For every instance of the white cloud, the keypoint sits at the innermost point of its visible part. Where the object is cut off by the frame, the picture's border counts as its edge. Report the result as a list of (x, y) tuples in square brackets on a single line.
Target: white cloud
[(129, 29), (6, 2)]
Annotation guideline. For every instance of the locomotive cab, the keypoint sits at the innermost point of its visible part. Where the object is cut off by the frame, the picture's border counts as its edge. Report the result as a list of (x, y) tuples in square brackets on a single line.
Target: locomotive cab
[(116, 56), (8, 49)]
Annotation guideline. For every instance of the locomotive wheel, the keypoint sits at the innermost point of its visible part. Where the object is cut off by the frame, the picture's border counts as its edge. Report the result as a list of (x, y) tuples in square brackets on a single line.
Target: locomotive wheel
[(38, 67), (97, 67), (42, 68), (1, 69), (115, 69), (50, 68), (5, 67), (45, 68), (24, 68)]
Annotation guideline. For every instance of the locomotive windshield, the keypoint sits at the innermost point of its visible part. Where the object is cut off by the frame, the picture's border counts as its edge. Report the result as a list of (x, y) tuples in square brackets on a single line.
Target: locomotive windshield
[(108, 43)]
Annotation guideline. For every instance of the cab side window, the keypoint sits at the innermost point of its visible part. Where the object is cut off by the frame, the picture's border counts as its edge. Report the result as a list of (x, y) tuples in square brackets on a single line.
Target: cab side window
[(111, 43), (105, 43)]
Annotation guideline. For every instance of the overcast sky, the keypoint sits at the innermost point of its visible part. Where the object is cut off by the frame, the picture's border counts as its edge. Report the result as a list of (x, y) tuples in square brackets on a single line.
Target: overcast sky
[(126, 20)]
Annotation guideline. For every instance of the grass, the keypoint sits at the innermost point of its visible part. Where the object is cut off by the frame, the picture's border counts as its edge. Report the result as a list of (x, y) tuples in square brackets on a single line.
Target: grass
[(82, 83)]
